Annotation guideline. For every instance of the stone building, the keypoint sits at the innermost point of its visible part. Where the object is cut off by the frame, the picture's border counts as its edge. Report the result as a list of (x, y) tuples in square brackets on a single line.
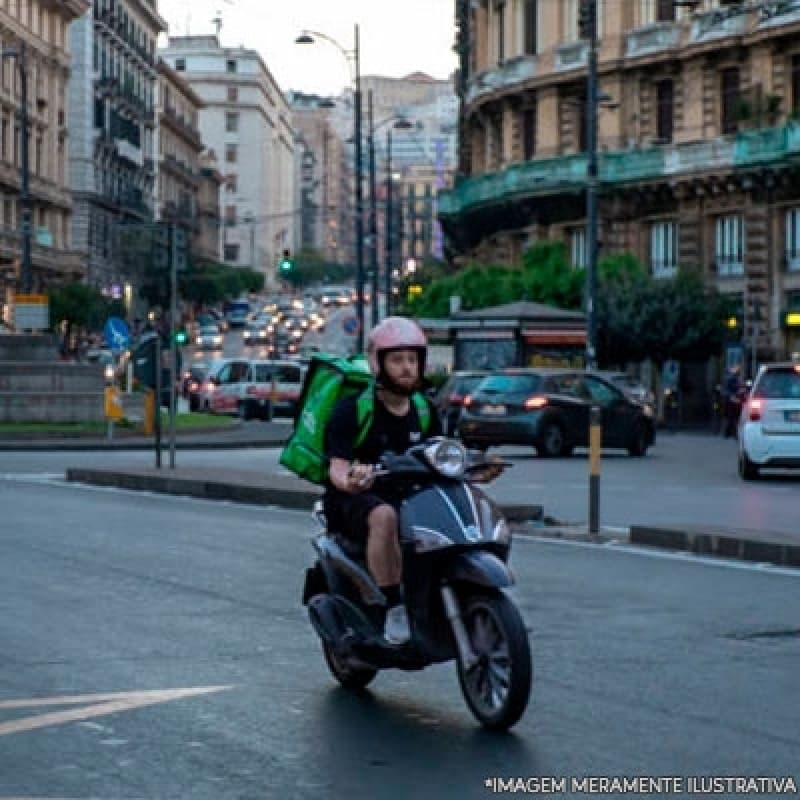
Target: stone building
[(324, 183), (208, 242), (246, 121), (112, 124), (698, 143), (42, 28), (179, 149)]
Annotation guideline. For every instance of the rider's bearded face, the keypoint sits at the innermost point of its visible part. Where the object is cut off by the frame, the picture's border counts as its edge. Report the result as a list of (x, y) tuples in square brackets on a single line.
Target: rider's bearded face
[(402, 367)]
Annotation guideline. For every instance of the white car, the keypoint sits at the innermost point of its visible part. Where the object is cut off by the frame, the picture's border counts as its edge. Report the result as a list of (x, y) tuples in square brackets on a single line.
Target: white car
[(769, 425), (208, 338)]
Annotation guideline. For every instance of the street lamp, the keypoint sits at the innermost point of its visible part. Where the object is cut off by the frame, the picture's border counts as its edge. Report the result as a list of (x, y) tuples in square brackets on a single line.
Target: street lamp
[(353, 58), (400, 123), (20, 53)]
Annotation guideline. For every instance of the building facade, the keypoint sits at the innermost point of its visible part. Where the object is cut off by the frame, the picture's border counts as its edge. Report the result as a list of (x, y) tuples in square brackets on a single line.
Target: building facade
[(246, 121), (112, 122), (697, 141), (324, 182), (179, 150), (208, 244), (39, 29)]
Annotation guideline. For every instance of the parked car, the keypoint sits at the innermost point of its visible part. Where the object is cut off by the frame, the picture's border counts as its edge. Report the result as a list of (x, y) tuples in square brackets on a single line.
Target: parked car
[(549, 409), (450, 397), (208, 338), (630, 386), (769, 425), (262, 388)]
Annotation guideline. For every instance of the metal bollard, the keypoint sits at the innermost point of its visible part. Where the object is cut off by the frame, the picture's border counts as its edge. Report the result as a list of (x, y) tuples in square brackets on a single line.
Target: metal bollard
[(595, 437)]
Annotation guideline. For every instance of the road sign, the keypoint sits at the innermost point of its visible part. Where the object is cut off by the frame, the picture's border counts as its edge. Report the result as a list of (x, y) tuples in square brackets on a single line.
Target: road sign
[(117, 334), (350, 325), (31, 312)]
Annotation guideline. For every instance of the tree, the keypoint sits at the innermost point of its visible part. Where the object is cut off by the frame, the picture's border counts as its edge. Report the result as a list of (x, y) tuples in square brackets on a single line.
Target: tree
[(639, 317), (77, 307), (309, 267)]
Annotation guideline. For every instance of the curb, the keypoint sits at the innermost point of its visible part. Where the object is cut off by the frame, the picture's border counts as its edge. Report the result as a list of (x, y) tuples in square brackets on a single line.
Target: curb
[(295, 499), (755, 546)]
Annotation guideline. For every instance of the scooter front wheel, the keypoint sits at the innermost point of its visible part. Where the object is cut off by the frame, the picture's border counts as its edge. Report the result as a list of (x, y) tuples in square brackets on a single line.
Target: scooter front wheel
[(498, 686), (350, 677)]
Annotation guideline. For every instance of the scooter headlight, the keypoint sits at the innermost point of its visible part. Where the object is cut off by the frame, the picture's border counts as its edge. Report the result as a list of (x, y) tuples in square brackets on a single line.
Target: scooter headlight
[(447, 457)]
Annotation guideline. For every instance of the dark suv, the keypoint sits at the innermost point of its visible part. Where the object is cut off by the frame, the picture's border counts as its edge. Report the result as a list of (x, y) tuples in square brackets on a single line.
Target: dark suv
[(550, 409), (450, 397)]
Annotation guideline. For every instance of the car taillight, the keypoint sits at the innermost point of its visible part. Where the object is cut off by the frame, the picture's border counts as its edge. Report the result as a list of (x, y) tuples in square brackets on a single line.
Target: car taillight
[(467, 401), (537, 401), (193, 386), (754, 410), (456, 399)]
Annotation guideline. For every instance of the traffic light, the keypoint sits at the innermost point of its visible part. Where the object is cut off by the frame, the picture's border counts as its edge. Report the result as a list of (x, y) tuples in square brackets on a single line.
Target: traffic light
[(181, 337), (587, 18), (286, 265)]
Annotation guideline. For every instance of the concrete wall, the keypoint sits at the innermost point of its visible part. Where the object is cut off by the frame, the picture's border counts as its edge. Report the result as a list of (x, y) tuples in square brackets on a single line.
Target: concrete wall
[(35, 387)]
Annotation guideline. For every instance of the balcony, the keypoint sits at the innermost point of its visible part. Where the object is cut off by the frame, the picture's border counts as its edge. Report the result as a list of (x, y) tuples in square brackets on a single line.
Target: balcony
[(731, 20), (652, 39), (778, 12), (512, 72), (572, 56), (778, 147)]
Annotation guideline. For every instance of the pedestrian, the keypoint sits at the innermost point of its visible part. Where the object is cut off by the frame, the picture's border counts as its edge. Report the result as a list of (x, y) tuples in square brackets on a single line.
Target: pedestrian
[(733, 401)]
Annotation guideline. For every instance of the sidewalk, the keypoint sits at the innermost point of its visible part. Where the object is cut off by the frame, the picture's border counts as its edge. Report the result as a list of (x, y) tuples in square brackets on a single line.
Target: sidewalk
[(244, 434)]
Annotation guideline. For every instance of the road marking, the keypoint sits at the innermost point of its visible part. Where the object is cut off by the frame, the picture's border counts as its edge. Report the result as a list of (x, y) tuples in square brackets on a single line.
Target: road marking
[(92, 705), (670, 555)]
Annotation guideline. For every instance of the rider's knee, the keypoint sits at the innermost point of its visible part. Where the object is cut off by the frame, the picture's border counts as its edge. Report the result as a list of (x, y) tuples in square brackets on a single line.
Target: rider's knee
[(382, 520)]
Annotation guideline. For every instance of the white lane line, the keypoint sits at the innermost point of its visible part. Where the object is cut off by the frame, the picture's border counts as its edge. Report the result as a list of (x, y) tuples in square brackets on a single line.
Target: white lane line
[(92, 705), (669, 555)]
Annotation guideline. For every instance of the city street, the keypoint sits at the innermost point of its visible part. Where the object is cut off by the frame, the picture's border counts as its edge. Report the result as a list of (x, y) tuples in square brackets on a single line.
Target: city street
[(685, 479), (645, 664)]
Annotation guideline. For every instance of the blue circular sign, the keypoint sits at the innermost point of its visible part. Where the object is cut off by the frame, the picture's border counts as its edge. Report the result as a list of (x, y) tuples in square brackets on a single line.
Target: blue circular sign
[(117, 334), (350, 325)]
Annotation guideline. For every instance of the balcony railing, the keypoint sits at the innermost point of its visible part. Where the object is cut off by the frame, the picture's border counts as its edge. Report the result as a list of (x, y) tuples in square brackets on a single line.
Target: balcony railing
[(730, 20), (572, 56), (568, 173), (652, 38), (512, 72)]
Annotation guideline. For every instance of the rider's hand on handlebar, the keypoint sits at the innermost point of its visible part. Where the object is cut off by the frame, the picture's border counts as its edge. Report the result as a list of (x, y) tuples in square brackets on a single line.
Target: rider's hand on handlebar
[(360, 477)]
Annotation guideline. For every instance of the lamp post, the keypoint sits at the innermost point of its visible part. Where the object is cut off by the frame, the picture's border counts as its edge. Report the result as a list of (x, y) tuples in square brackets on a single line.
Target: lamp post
[(590, 11), (20, 53), (353, 58)]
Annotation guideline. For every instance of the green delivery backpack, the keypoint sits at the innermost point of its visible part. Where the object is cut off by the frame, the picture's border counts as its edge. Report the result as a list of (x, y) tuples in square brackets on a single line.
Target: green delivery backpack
[(328, 380)]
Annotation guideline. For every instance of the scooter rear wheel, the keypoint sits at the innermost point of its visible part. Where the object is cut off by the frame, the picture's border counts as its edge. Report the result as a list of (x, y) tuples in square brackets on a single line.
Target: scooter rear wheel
[(350, 677), (498, 687)]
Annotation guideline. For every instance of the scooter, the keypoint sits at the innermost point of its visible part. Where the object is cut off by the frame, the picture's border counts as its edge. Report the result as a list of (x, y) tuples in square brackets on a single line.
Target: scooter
[(455, 545)]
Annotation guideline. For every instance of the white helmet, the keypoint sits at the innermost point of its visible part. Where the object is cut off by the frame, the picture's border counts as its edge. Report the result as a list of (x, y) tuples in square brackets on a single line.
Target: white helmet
[(395, 333)]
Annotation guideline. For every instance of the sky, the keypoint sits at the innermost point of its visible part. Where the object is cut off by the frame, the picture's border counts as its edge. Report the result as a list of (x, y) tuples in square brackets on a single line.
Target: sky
[(396, 38)]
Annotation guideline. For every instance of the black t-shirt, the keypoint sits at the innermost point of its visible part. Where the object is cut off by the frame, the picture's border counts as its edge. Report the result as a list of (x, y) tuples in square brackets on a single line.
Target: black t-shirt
[(387, 431)]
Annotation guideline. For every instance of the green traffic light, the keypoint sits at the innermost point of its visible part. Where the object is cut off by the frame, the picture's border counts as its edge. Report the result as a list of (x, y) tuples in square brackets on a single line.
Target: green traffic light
[(181, 337), (286, 265)]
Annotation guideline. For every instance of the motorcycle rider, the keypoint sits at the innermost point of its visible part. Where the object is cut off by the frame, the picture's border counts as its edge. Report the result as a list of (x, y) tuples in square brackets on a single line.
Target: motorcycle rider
[(354, 504)]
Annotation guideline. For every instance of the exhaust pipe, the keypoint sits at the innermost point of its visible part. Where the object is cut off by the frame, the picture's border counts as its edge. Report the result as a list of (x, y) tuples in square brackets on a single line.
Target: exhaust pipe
[(453, 611)]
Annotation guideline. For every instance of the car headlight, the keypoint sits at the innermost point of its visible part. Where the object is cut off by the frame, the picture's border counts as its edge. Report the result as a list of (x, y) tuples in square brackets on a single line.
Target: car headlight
[(198, 340), (447, 457), (217, 340), (109, 372)]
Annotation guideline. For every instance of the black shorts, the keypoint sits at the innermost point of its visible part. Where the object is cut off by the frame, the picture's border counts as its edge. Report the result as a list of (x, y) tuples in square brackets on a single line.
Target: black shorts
[(347, 513)]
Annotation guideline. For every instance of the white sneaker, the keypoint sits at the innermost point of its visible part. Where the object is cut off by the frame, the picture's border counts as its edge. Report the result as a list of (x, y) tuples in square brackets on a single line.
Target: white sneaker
[(396, 629)]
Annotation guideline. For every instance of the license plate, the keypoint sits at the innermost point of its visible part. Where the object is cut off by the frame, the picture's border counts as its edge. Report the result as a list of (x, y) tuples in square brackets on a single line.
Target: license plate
[(496, 410), (793, 416)]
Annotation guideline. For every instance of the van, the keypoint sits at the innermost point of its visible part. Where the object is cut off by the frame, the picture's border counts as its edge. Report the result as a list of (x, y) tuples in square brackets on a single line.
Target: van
[(263, 389)]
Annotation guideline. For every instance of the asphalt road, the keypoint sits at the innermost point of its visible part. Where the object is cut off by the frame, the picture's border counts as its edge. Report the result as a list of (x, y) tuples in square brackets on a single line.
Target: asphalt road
[(645, 664), (685, 479)]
